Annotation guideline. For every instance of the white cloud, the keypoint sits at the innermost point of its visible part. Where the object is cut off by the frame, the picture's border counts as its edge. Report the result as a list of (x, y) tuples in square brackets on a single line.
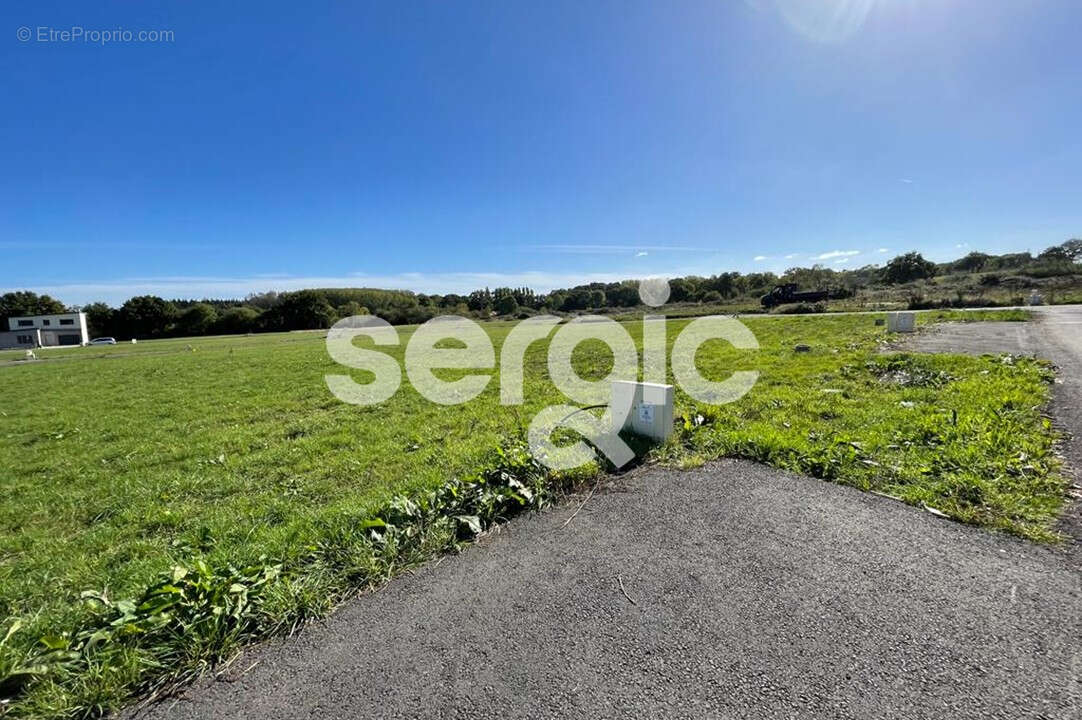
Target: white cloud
[(838, 253), (907, 181), (790, 256), (759, 258), (116, 292), (962, 246), (641, 254), (612, 249), (883, 250), (841, 262)]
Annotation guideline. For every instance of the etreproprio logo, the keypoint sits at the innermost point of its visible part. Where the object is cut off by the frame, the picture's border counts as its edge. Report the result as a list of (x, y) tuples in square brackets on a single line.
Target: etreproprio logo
[(423, 355)]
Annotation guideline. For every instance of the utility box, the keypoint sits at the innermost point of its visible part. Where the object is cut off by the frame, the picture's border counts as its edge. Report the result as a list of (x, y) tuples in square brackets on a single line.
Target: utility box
[(642, 408), (903, 322)]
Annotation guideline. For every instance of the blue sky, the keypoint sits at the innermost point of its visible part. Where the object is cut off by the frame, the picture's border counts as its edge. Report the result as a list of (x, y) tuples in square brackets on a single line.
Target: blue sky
[(445, 145)]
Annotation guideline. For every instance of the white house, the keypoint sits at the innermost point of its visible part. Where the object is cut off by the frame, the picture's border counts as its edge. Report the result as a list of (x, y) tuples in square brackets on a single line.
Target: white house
[(45, 331)]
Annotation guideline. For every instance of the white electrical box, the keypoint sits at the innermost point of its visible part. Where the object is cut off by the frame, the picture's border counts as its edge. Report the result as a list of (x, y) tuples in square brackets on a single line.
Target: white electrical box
[(904, 322), (642, 408)]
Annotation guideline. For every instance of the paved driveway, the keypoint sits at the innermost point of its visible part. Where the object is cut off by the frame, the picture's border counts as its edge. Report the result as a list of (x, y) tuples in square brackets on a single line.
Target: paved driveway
[(732, 590)]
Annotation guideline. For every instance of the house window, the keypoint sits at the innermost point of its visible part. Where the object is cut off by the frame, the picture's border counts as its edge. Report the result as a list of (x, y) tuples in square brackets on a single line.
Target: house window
[(44, 322), (25, 339), (67, 321), (26, 323)]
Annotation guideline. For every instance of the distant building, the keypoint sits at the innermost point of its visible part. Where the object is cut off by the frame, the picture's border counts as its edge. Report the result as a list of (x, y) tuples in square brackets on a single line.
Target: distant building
[(45, 331)]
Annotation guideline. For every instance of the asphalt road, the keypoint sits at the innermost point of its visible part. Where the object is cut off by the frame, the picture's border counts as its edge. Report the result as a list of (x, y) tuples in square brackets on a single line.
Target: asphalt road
[(733, 590)]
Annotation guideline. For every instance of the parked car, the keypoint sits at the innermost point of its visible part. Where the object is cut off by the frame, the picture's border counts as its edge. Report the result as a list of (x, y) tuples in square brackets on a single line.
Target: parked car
[(103, 341)]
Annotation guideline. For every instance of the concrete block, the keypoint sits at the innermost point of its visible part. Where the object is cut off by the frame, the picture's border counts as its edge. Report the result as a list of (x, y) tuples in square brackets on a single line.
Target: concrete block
[(643, 408), (903, 322)]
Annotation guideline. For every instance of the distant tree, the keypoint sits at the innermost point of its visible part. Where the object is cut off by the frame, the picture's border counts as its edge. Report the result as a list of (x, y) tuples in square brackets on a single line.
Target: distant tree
[(479, 300), (555, 300), (973, 262), (526, 297), (100, 318), (146, 316), (623, 294), (756, 283), (681, 290), (506, 305), (263, 301), (197, 319), (353, 308), (1056, 255), (1073, 249), (597, 299), (712, 296), (301, 310), (577, 299), (816, 277), (907, 268), (24, 302), (237, 320), (1010, 261), (728, 284)]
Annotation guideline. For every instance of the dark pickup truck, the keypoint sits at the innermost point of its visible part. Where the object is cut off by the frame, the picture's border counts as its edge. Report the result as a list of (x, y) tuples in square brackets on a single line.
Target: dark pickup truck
[(783, 294)]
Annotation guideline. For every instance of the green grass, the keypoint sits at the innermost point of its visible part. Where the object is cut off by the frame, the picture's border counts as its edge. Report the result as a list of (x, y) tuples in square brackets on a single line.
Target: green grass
[(229, 457), (931, 317)]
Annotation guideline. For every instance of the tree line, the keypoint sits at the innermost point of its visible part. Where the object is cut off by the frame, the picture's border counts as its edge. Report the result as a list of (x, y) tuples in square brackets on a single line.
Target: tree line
[(150, 316)]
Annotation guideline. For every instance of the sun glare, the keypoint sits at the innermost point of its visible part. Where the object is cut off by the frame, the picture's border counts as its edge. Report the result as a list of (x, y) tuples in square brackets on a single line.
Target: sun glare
[(826, 21)]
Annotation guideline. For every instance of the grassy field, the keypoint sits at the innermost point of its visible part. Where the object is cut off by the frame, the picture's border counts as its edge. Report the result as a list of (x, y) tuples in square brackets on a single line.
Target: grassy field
[(229, 458)]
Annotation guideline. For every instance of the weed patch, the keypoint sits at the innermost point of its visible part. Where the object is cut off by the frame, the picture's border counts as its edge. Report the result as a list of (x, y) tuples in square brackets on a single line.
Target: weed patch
[(906, 371), (197, 614)]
